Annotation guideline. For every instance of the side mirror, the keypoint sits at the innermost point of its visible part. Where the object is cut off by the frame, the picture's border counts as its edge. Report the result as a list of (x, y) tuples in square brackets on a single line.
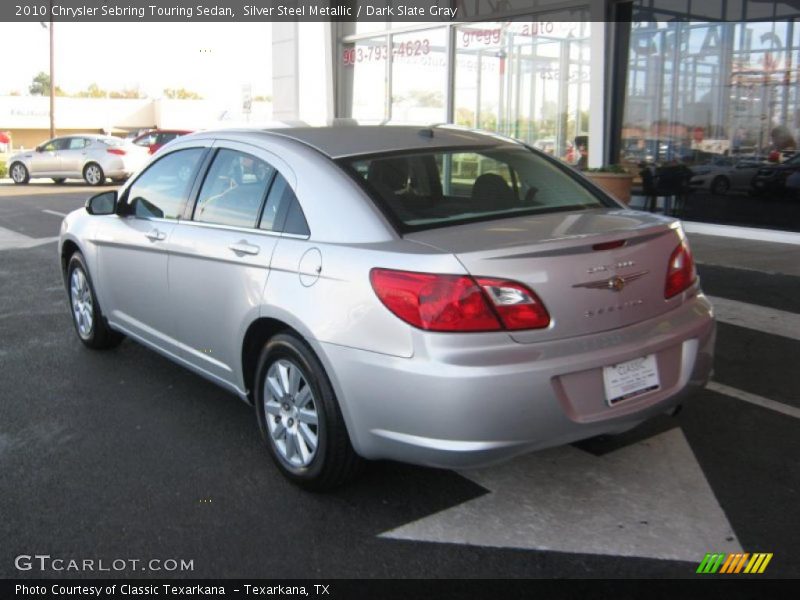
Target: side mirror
[(38, 148), (104, 203)]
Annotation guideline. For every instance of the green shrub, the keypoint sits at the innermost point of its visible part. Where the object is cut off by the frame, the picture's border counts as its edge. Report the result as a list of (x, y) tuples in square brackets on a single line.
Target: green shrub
[(3, 169), (618, 169)]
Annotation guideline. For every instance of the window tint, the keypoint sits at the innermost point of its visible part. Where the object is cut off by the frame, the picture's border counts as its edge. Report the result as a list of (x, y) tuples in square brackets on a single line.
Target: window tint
[(296, 221), (275, 209), (161, 191), (425, 190), (233, 190), (282, 211)]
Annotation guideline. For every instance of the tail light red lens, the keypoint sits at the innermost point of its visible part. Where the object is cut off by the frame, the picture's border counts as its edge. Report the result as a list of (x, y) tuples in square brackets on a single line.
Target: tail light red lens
[(117, 151), (517, 305), (681, 272), (458, 302)]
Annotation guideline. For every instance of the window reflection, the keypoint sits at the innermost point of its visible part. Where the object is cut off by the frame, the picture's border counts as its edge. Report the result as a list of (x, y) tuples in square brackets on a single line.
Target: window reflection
[(697, 91), (528, 80)]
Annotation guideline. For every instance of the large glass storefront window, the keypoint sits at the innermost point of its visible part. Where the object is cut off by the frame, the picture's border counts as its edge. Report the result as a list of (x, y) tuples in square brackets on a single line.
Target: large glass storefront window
[(419, 76), (699, 90), (364, 65), (528, 80)]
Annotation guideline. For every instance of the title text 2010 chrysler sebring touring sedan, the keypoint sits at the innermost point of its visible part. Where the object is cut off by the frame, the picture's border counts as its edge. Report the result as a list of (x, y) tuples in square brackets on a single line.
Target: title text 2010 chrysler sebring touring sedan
[(435, 296)]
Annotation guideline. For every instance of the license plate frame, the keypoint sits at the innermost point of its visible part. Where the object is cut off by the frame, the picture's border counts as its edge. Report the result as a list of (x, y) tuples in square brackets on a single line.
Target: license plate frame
[(630, 379)]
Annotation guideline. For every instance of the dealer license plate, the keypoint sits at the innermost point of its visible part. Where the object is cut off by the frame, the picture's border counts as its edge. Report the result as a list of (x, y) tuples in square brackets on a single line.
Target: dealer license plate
[(631, 378)]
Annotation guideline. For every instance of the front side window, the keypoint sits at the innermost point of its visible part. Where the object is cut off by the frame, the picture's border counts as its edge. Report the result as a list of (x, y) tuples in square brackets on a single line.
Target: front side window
[(233, 190), (146, 140), (424, 190), (162, 190), (56, 144)]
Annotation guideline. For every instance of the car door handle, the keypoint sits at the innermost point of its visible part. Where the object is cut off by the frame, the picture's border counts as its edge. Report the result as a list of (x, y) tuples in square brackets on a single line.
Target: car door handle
[(156, 236), (244, 248)]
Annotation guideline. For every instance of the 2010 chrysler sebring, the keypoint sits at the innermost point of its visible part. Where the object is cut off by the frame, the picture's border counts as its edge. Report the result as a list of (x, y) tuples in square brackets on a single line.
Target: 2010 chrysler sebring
[(434, 295)]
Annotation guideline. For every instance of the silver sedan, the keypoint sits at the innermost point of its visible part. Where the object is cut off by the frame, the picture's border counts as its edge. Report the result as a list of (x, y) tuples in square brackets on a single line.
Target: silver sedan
[(90, 157), (435, 296), (724, 174)]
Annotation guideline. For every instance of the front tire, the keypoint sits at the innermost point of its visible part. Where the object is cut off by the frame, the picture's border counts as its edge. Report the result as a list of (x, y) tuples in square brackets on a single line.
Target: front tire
[(300, 418), (19, 173), (93, 174), (88, 319)]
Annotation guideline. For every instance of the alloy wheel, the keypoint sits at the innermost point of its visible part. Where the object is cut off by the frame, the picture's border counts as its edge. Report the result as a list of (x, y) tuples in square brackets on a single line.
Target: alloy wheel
[(93, 174), (290, 411), (18, 173), (82, 305)]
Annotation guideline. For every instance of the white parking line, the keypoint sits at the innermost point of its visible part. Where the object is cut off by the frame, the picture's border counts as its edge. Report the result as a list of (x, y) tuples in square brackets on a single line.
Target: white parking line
[(780, 407), (11, 240), (759, 318), (649, 499), (54, 212), (743, 233)]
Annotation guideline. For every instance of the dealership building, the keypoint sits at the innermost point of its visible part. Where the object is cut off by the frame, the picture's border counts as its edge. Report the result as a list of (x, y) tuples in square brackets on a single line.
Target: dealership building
[(591, 82), (647, 80)]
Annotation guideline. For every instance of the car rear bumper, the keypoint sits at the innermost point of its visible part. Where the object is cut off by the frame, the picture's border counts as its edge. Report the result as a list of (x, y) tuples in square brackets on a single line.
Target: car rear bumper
[(455, 406)]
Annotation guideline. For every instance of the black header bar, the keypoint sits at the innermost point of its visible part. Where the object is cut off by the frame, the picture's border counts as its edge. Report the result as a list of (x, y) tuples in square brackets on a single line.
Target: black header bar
[(269, 10)]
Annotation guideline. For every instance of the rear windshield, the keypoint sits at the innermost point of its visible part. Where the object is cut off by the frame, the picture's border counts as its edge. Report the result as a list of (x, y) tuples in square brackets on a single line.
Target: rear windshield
[(111, 141), (439, 188)]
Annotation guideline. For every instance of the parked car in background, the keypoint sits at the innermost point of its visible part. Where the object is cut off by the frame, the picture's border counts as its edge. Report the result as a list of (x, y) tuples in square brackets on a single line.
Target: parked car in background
[(778, 179), (654, 150), (90, 157), (153, 140), (723, 174), (436, 296)]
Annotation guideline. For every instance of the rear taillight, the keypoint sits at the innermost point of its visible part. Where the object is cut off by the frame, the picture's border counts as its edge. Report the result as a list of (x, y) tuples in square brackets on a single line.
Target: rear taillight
[(458, 302), (117, 151), (681, 272), (517, 305)]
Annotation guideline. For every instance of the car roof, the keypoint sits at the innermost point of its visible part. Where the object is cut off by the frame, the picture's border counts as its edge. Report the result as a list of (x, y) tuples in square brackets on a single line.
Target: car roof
[(94, 136), (358, 140)]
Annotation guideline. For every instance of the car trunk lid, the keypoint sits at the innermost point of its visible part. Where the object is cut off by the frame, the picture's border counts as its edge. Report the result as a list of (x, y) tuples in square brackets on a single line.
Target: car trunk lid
[(594, 270)]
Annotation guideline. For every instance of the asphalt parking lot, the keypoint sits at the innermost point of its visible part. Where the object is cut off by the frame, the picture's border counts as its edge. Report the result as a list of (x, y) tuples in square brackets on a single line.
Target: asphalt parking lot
[(125, 455)]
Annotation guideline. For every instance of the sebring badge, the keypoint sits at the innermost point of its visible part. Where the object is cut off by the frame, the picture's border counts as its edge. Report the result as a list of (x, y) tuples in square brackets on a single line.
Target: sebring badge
[(615, 283)]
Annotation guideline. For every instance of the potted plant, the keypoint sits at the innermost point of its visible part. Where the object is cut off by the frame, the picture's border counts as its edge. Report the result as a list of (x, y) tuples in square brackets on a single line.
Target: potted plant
[(614, 179)]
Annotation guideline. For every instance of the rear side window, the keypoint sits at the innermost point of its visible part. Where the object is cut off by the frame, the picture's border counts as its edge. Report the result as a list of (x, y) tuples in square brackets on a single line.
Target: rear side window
[(233, 190), (282, 211), (424, 190), (162, 190)]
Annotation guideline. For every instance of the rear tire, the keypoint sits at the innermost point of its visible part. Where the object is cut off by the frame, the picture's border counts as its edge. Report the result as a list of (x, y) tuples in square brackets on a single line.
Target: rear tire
[(93, 174), (300, 418), (720, 185), (88, 319), (19, 173)]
